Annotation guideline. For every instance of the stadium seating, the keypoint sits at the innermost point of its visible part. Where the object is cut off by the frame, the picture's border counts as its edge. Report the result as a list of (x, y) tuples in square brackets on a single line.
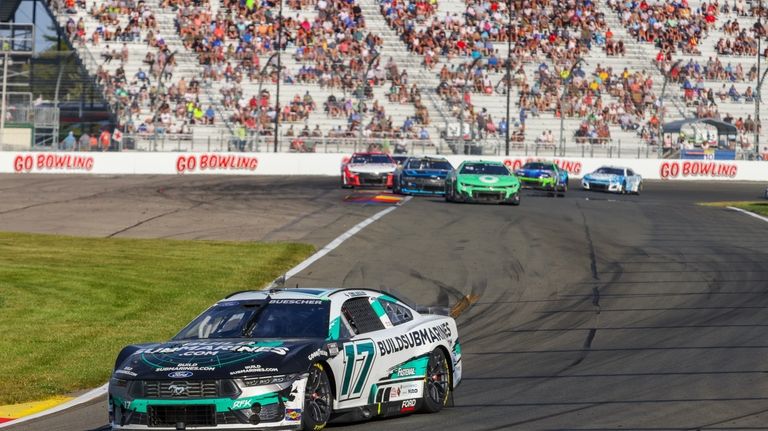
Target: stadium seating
[(421, 53)]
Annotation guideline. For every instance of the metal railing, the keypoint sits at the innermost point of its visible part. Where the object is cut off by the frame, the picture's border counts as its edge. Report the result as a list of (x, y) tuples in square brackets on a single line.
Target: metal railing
[(17, 38), (264, 144)]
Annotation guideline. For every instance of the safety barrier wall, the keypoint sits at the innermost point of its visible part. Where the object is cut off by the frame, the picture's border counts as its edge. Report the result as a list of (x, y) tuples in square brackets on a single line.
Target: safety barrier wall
[(329, 164)]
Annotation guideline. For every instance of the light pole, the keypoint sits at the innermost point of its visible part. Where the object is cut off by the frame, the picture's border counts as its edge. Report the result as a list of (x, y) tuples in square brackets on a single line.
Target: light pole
[(566, 80), (264, 71), (4, 94), (757, 111), (279, 69), (760, 81), (661, 100), (509, 73), (361, 93), (160, 89), (463, 99)]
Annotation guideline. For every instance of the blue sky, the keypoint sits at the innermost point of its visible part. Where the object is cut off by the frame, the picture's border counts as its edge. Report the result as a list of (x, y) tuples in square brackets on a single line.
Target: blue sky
[(44, 21)]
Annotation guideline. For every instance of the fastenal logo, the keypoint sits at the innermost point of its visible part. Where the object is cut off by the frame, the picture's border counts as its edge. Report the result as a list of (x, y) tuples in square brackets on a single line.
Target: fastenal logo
[(178, 389), (403, 372)]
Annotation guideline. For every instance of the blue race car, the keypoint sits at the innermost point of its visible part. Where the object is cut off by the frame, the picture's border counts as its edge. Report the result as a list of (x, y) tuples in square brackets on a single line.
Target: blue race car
[(422, 175), (613, 179)]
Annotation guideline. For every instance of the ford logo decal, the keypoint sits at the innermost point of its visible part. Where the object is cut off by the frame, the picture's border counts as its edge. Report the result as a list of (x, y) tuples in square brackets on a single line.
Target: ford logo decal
[(180, 374)]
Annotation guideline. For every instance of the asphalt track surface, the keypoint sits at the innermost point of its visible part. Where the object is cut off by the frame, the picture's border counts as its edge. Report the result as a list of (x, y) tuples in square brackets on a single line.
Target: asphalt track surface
[(592, 311)]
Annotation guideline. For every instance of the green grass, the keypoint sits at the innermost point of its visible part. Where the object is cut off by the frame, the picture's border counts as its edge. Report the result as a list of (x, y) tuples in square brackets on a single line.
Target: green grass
[(67, 305), (756, 207)]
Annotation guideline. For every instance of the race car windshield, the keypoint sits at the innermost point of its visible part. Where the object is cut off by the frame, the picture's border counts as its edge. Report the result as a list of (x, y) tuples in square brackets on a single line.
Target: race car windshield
[(429, 164), (276, 318), (371, 158), (484, 169), (612, 171), (537, 166)]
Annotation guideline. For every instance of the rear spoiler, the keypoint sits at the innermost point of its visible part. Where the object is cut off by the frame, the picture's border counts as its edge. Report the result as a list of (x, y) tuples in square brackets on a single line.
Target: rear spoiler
[(441, 311)]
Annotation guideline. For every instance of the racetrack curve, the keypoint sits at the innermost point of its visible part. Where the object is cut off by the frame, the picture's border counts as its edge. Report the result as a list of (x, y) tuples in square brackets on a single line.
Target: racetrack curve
[(592, 312)]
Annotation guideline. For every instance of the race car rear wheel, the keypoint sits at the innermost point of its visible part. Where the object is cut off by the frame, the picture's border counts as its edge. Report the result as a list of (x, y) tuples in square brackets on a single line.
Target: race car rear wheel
[(437, 387), (318, 400)]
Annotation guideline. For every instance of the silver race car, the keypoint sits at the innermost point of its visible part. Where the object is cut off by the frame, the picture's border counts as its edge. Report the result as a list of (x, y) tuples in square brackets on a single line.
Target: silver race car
[(614, 179)]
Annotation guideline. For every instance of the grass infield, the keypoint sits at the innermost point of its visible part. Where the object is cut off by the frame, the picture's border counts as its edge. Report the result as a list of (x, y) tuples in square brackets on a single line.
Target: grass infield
[(68, 304), (756, 207)]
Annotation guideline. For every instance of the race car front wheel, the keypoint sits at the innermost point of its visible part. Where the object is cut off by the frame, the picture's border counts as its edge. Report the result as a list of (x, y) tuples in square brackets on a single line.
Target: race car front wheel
[(318, 400), (438, 384), (449, 194)]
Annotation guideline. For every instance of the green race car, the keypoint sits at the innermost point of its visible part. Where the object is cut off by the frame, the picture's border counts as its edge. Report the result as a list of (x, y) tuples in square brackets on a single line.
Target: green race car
[(481, 181), (543, 176)]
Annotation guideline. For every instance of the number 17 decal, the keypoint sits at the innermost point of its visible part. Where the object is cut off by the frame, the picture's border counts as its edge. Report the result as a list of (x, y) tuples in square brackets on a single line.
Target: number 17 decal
[(358, 358)]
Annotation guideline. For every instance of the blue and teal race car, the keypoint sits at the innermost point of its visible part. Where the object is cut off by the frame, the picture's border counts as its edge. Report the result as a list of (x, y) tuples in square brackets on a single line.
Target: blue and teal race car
[(421, 176)]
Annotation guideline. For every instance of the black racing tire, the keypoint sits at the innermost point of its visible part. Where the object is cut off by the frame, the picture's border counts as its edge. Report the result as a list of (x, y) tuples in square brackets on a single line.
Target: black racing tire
[(344, 185), (623, 188), (449, 194), (516, 199), (318, 400), (563, 189), (396, 187), (639, 188), (437, 387)]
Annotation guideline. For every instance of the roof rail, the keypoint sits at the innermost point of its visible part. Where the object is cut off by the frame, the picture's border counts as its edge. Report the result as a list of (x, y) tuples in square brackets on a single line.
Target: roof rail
[(242, 291)]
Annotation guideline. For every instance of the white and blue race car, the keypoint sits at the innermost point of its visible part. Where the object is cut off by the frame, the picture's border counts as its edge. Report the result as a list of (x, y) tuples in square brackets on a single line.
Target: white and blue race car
[(613, 179), (289, 359)]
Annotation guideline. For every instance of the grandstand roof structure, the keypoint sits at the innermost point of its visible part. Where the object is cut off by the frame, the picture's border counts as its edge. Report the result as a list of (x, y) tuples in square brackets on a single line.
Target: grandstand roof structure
[(722, 127)]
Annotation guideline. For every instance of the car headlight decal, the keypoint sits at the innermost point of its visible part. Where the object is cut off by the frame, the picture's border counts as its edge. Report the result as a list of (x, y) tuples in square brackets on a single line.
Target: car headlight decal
[(269, 380)]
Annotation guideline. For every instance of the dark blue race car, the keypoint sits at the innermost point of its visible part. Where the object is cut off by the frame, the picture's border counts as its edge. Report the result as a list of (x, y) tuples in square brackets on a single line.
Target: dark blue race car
[(422, 175)]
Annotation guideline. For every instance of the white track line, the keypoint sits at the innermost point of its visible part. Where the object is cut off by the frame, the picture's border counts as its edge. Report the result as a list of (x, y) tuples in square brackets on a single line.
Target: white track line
[(95, 393), (340, 239), (82, 399), (749, 213)]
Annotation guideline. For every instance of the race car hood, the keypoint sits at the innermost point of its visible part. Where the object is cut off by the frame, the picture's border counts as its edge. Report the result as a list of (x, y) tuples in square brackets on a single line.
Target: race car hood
[(533, 173), (603, 177), (208, 359), (427, 173), (488, 180), (371, 167)]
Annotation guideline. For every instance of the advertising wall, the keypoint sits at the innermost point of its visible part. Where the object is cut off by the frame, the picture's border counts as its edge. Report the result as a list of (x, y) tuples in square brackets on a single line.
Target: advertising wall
[(329, 164)]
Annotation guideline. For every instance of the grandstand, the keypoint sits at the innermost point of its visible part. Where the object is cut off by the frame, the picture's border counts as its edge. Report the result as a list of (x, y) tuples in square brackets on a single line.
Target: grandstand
[(586, 78)]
